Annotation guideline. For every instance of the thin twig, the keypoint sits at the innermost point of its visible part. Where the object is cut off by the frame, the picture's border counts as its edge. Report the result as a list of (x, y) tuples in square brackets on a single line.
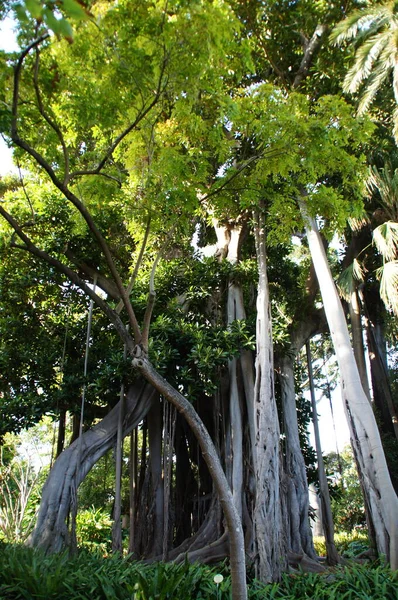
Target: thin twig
[(47, 118), (152, 294), (239, 171), (26, 193), (159, 91), (137, 264)]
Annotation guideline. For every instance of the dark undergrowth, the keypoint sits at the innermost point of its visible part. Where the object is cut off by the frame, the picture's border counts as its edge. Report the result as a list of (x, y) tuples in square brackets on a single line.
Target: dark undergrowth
[(29, 575)]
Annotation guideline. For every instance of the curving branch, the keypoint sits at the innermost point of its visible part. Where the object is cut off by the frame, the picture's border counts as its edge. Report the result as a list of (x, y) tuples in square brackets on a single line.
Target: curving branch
[(141, 115), (94, 172), (30, 247), (104, 283), (47, 117), (63, 188), (17, 78), (241, 167), (310, 48), (137, 264)]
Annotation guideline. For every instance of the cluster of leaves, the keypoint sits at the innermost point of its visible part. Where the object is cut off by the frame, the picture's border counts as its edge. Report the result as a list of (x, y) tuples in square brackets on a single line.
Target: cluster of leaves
[(57, 15), (93, 530), (28, 573)]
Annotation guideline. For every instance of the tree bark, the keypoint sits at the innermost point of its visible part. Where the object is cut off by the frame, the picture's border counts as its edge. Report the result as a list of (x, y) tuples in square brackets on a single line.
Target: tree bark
[(365, 437), (155, 425), (51, 532), (61, 432), (382, 395), (117, 511), (357, 341), (132, 487), (270, 550), (299, 533), (237, 550)]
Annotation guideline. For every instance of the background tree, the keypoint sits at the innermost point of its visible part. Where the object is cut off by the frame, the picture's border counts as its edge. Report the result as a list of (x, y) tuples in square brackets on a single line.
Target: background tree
[(373, 31)]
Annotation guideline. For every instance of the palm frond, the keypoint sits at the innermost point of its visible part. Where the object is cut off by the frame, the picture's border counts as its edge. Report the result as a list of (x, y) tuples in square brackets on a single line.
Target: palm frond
[(362, 22), (385, 181), (365, 58), (358, 223), (347, 282), (395, 73), (395, 125), (374, 83), (385, 238), (388, 275)]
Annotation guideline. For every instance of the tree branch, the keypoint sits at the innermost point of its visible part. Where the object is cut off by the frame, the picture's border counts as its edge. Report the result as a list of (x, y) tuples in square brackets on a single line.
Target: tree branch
[(104, 283), (94, 172), (17, 77), (30, 247), (238, 172), (47, 118), (144, 111), (150, 304), (152, 294), (137, 264), (68, 194), (310, 47)]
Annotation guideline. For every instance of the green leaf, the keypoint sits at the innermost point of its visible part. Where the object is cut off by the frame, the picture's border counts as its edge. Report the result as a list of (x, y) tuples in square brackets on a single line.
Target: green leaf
[(34, 7), (64, 28), (74, 10)]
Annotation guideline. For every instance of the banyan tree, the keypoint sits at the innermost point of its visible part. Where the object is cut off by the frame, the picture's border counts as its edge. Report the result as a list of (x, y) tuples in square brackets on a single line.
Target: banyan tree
[(163, 180)]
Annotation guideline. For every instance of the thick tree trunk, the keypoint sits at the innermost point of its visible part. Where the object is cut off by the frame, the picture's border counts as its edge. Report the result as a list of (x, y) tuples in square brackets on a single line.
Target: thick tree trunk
[(382, 395), (357, 341), (365, 437), (133, 462), (235, 531), (299, 532), (270, 542), (51, 532), (61, 432)]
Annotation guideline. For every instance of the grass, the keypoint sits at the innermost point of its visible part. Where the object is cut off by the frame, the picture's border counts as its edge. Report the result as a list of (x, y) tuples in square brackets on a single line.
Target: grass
[(26, 574)]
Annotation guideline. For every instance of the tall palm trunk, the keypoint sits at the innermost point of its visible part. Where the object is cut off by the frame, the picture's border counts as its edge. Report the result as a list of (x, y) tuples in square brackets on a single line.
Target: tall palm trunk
[(365, 437)]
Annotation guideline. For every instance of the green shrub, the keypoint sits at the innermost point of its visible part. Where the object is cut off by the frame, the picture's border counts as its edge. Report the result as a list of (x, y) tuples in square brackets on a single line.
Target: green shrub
[(356, 582), (29, 574), (94, 531), (26, 574)]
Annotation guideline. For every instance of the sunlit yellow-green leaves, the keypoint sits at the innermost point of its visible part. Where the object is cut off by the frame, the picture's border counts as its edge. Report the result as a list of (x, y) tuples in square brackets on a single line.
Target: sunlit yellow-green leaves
[(58, 15)]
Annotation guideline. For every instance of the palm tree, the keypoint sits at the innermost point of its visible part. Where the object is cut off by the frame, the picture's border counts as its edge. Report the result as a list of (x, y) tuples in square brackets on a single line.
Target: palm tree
[(375, 30), (385, 236)]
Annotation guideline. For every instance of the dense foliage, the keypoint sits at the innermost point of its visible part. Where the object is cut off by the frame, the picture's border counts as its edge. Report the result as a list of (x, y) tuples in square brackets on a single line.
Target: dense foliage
[(27, 573)]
